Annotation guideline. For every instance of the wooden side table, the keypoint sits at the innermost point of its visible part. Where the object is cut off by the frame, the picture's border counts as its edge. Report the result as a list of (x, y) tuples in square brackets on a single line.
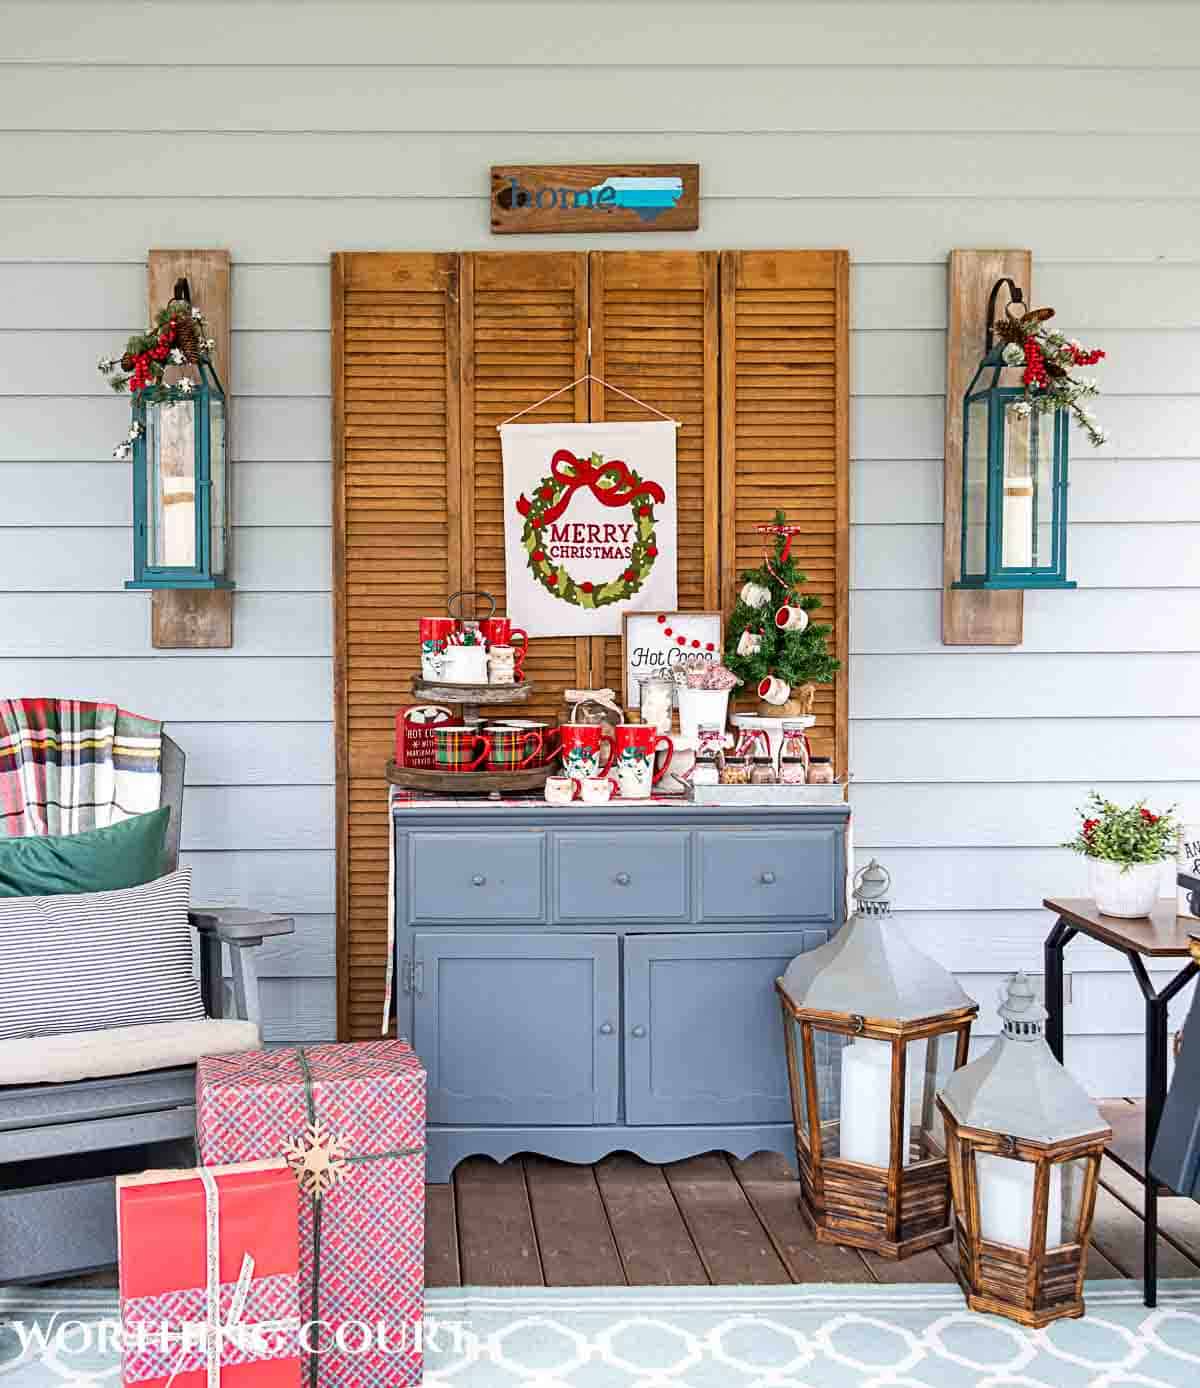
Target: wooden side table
[(1161, 935)]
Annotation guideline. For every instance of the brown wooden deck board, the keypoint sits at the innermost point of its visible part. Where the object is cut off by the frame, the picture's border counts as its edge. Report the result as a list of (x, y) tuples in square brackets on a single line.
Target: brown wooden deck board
[(1117, 1233), (441, 1238), (571, 1225), (1178, 1216), (655, 1247), (774, 1194), (496, 1240), (731, 1241)]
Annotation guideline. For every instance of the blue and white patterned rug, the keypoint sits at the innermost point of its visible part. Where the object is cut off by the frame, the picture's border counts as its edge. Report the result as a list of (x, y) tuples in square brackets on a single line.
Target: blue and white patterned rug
[(708, 1337)]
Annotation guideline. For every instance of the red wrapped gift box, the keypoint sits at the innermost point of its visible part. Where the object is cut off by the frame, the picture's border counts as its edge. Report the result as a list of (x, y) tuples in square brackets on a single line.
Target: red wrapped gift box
[(209, 1268), (351, 1120)]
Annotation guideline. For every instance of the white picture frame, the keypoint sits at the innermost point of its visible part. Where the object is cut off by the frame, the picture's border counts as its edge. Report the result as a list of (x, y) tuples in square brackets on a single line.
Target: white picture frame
[(651, 641)]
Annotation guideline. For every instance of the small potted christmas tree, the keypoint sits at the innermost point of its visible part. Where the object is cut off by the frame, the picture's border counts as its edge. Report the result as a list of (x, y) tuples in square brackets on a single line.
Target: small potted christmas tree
[(771, 643)]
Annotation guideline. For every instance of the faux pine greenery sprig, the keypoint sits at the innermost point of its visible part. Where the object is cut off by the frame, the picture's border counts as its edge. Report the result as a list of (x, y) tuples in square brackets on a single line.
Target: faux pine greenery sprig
[(1126, 835)]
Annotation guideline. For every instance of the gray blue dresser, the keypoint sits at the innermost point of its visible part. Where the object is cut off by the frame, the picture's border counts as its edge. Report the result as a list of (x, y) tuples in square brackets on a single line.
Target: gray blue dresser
[(580, 980)]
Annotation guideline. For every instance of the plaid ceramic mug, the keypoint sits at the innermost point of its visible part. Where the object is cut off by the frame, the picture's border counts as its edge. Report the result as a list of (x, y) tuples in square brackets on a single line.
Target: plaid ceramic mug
[(511, 749), (460, 748)]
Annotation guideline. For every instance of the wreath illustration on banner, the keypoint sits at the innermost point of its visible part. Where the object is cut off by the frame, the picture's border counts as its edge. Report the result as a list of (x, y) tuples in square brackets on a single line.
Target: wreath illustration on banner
[(612, 484)]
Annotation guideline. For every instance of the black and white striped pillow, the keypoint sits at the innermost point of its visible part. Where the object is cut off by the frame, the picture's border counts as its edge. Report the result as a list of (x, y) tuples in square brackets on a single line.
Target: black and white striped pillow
[(104, 959)]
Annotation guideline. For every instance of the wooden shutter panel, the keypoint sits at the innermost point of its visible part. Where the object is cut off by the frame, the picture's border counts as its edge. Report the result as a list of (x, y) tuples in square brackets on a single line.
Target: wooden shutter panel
[(524, 328), (395, 362), (785, 434), (654, 334)]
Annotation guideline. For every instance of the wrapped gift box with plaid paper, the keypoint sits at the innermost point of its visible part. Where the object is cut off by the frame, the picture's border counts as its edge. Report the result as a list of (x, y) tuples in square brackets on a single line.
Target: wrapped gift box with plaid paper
[(350, 1120), (209, 1267)]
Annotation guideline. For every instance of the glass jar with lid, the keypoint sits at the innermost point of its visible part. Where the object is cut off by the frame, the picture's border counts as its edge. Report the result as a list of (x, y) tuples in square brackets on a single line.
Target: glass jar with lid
[(707, 771), (792, 771), (762, 773), (820, 771), (736, 770), (656, 695)]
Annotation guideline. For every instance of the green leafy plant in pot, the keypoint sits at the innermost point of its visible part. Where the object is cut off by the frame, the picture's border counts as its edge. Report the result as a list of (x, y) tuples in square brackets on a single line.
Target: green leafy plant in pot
[(1124, 848)]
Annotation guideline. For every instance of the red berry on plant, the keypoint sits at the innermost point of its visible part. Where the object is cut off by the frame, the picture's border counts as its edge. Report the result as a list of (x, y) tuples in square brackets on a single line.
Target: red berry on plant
[(652, 551), (538, 555), (629, 575), (546, 493), (644, 510), (551, 578), (585, 587)]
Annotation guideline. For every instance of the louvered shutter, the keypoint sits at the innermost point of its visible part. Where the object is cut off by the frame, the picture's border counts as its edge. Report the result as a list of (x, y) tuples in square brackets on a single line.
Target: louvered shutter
[(395, 364), (654, 335), (524, 329), (784, 434)]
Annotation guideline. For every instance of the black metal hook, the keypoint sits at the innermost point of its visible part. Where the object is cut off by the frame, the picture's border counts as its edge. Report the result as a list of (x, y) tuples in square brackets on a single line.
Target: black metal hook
[(1016, 295)]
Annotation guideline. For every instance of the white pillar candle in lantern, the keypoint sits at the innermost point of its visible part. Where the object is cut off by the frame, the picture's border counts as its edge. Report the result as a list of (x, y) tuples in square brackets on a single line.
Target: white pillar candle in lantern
[(865, 1125), (1018, 522), (1006, 1201)]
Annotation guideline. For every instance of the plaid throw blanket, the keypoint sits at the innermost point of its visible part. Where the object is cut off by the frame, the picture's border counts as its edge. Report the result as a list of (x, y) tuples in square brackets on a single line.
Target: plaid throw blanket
[(67, 766)]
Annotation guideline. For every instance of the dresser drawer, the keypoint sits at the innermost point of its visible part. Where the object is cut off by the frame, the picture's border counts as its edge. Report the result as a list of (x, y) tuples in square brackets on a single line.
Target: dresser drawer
[(629, 876), (484, 878), (785, 875)]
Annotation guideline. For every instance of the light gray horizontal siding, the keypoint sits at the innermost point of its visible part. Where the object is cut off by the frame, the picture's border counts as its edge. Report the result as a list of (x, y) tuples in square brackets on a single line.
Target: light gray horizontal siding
[(892, 129)]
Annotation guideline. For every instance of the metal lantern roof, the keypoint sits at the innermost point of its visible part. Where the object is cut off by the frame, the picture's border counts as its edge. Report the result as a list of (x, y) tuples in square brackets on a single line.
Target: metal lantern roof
[(1018, 1088), (869, 969)]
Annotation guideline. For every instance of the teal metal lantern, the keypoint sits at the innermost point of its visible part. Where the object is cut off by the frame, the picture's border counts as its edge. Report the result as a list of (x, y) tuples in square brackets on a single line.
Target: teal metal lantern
[(1014, 477), (181, 483)]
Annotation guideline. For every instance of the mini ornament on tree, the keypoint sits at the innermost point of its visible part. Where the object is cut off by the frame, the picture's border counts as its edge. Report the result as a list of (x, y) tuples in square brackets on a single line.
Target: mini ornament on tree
[(787, 655)]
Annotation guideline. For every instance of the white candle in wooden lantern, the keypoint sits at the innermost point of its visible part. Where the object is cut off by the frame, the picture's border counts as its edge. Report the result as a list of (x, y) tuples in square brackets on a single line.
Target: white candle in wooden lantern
[(866, 1115), (1006, 1201)]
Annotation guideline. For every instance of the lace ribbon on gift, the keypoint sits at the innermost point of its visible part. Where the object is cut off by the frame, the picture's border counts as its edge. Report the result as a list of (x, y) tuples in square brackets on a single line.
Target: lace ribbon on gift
[(606, 698)]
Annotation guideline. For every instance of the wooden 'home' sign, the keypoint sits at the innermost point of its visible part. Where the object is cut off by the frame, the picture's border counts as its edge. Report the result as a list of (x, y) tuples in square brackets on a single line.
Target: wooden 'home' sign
[(595, 197)]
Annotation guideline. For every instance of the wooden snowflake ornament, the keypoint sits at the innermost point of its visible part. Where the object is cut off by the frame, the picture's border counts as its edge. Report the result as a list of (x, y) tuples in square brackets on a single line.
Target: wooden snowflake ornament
[(318, 1158)]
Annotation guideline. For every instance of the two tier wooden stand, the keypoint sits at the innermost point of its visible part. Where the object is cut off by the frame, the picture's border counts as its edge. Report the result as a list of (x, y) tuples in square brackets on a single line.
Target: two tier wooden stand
[(473, 699)]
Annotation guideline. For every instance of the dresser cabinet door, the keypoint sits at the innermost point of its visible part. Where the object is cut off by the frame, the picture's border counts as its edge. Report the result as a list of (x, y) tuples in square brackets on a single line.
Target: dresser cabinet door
[(518, 1028), (703, 1028), (780, 874), (480, 879)]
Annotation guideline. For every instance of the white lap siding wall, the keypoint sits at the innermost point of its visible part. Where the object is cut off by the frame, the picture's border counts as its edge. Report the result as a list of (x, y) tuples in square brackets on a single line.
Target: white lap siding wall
[(898, 131)]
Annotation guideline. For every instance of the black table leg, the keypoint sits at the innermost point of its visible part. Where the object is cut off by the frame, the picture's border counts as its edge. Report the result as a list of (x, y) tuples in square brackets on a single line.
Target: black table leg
[(1057, 941), (1157, 1028)]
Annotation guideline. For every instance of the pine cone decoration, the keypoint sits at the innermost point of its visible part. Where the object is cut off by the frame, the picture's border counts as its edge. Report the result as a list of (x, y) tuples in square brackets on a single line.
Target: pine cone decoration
[(186, 338), (127, 362)]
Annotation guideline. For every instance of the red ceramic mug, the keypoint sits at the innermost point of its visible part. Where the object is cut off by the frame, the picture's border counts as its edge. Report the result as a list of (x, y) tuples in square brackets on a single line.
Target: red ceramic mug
[(581, 744), (633, 765), (435, 633), (512, 749), (499, 631), (457, 748)]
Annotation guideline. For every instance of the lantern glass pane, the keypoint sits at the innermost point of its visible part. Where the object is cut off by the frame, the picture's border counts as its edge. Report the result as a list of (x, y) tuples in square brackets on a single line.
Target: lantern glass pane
[(800, 1097), (1006, 1200), (1028, 515), (927, 1066), (217, 476), (171, 485), (975, 478), (1073, 1180)]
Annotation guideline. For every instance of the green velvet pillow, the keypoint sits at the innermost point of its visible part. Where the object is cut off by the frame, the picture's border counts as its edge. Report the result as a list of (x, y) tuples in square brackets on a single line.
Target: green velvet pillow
[(126, 854)]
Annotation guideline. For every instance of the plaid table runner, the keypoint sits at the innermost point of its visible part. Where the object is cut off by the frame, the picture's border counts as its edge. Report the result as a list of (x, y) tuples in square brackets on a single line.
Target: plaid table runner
[(67, 766)]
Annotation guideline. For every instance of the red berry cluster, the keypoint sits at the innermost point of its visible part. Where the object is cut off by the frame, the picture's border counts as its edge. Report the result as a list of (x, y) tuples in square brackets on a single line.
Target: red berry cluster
[(1035, 365), (1089, 827), (1148, 817), (1082, 358), (142, 373)]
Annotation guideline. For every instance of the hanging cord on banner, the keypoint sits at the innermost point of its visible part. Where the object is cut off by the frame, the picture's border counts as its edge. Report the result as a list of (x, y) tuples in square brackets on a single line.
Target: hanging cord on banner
[(554, 394)]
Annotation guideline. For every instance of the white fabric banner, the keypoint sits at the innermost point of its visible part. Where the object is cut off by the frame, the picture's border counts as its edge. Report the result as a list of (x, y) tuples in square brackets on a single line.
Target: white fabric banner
[(589, 524)]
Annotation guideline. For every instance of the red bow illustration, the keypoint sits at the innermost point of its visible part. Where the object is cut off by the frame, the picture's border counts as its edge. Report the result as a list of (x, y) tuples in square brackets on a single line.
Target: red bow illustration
[(572, 473)]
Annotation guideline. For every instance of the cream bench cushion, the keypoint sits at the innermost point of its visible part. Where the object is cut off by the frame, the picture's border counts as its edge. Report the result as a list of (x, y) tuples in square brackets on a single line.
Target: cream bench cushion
[(87, 1055)]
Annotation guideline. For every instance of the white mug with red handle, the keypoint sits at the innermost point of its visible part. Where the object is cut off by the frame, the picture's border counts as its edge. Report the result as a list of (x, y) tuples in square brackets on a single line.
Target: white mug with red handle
[(633, 769)]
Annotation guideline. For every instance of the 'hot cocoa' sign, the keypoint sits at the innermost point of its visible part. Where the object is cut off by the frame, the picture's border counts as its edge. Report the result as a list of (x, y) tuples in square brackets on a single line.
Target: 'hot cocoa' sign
[(589, 524)]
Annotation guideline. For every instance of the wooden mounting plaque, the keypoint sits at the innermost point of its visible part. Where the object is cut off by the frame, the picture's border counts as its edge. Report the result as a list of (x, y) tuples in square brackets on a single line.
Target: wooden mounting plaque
[(194, 618), (594, 197), (972, 617)]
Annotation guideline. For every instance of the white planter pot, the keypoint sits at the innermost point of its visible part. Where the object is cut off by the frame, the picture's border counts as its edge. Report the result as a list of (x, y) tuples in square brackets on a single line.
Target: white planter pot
[(697, 706), (1128, 894)]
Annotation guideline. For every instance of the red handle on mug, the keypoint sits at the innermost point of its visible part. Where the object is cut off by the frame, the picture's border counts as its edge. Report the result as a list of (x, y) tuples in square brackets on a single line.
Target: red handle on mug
[(662, 770), (549, 750), (537, 749), (483, 756), (521, 651)]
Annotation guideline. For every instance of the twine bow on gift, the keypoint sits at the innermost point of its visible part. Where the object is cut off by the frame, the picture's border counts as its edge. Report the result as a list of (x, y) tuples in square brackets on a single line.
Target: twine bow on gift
[(606, 698), (572, 473), (215, 1331)]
